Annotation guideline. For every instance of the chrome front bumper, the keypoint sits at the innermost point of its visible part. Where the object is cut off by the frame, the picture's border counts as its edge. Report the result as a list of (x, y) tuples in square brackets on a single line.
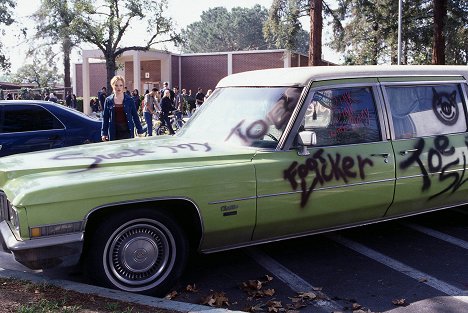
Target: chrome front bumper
[(63, 250)]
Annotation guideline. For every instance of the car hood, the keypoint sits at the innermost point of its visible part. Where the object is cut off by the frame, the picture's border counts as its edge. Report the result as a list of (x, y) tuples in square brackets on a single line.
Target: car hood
[(106, 160)]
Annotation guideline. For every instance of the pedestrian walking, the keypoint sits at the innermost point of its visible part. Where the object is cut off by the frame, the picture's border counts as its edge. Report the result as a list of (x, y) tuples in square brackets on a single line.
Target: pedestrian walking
[(119, 114)]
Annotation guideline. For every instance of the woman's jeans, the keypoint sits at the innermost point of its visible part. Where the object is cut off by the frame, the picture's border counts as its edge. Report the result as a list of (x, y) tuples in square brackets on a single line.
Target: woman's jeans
[(149, 122)]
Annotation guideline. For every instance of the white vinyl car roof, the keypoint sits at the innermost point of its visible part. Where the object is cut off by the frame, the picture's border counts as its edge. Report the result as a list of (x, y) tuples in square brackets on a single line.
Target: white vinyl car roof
[(300, 76)]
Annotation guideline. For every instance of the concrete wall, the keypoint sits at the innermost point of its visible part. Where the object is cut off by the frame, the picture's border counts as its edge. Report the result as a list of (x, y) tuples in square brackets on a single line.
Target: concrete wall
[(97, 78)]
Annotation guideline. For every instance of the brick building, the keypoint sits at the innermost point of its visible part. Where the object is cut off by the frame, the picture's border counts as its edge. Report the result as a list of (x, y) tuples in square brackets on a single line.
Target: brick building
[(147, 69)]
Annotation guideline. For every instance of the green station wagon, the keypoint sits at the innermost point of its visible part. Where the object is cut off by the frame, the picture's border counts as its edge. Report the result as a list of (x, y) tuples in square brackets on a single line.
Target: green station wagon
[(272, 154)]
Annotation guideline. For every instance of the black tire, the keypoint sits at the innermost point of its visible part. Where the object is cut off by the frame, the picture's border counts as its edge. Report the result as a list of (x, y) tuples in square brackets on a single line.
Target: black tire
[(176, 126), (142, 251)]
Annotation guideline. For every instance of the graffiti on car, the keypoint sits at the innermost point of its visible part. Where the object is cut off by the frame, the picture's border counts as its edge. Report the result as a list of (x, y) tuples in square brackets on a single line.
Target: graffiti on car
[(437, 163), (97, 159), (445, 107), (254, 131), (191, 146), (127, 153), (278, 116), (324, 168)]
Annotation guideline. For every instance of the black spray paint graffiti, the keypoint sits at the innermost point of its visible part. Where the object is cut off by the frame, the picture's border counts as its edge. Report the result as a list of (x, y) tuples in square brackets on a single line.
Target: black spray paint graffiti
[(445, 107), (436, 164), (254, 131), (324, 168), (126, 153), (97, 159), (278, 116)]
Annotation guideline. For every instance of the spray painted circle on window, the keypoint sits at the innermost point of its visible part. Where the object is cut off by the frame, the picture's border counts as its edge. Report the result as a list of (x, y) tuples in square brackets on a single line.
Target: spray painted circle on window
[(445, 107)]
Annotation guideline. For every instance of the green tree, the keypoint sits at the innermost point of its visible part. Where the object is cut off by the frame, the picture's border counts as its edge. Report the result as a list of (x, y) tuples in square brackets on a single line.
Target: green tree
[(54, 19), (430, 34), (42, 72), (221, 30), (283, 28), (456, 32), (105, 26), (6, 7), (370, 33), (283, 23)]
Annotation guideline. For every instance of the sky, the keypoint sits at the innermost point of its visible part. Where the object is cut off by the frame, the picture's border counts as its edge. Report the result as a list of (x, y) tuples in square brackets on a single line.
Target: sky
[(183, 13)]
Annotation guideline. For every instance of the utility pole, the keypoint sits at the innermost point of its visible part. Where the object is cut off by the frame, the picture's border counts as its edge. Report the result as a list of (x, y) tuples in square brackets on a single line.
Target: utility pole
[(400, 5)]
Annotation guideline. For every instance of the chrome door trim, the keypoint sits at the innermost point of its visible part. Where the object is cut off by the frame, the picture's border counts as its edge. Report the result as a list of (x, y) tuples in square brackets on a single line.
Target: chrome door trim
[(326, 230), (327, 188)]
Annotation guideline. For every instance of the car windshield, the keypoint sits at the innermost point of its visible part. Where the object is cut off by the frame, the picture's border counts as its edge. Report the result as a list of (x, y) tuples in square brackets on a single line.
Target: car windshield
[(253, 117)]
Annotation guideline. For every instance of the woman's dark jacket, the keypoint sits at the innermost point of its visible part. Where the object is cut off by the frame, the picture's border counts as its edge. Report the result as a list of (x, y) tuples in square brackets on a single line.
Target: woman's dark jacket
[(108, 120)]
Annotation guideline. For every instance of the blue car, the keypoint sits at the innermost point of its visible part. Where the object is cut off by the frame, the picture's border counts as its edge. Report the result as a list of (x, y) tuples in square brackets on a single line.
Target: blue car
[(32, 125)]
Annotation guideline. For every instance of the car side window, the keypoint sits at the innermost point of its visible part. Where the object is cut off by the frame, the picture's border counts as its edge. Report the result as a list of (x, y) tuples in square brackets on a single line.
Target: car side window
[(426, 110), (23, 118), (342, 116)]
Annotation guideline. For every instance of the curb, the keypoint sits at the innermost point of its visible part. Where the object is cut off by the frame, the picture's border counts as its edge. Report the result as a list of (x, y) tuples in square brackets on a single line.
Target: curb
[(114, 294)]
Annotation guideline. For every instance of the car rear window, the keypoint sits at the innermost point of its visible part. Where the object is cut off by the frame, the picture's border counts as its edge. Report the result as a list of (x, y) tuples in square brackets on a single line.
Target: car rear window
[(426, 110), (24, 118)]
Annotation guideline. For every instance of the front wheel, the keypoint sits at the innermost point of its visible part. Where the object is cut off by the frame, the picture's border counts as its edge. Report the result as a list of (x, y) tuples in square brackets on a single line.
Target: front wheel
[(140, 251), (162, 130)]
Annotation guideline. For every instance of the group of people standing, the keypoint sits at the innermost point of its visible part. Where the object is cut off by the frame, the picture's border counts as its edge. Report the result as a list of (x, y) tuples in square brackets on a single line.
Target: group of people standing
[(70, 100), (120, 109), (163, 101)]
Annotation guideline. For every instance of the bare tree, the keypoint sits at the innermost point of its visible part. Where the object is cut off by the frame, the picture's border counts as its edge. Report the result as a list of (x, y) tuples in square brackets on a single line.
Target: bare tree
[(106, 25)]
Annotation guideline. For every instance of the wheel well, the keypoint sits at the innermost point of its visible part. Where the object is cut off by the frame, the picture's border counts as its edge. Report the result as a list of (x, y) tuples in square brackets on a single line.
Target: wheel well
[(182, 211)]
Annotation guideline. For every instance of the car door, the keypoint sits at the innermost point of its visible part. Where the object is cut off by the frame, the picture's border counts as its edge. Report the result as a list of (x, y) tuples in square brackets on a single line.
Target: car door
[(429, 130), (345, 179), (29, 127)]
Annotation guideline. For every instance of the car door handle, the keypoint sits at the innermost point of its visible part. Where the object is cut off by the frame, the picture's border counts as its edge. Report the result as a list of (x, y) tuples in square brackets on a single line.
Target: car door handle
[(405, 152), (383, 155)]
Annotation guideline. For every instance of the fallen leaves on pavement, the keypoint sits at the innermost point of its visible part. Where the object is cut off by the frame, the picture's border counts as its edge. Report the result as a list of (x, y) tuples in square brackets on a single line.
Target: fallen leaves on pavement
[(171, 295), (400, 302), (254, 287), (216, 299), (191, 288)]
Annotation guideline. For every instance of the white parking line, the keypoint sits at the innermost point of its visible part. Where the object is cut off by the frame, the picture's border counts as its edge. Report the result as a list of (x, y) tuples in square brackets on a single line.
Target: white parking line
[(436, 234), (294, 282), (400, 267)]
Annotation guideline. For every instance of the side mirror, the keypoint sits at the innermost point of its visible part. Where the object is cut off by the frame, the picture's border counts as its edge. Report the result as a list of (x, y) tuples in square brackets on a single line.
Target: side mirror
[(305, 139)]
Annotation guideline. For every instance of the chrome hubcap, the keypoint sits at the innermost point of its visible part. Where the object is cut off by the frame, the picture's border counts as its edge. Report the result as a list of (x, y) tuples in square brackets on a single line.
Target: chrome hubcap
[(140, 255)]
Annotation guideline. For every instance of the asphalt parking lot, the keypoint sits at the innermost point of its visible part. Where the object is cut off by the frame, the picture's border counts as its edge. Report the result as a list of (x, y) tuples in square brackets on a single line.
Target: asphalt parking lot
[(413, 265)]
